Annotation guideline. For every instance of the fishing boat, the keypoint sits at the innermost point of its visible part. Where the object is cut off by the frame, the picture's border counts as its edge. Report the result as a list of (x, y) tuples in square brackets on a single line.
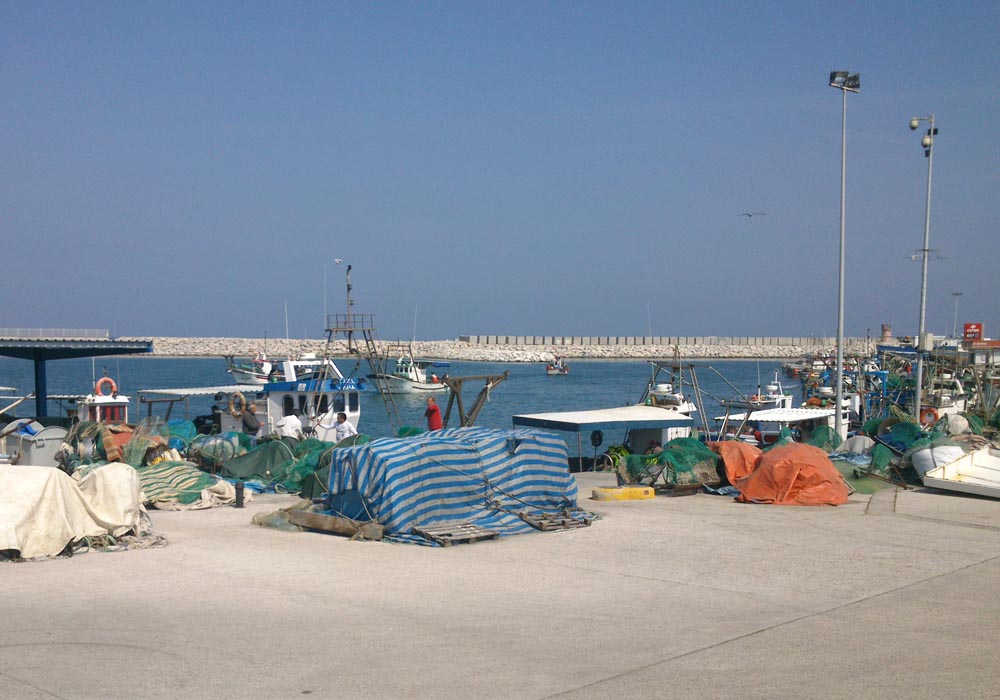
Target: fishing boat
[(409, 376), (262, 370), (319, 397), (772, 396), (557, 368)]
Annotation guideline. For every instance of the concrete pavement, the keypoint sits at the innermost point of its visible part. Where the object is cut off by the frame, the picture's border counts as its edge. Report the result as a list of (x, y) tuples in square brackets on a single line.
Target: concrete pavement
[(889, 596)]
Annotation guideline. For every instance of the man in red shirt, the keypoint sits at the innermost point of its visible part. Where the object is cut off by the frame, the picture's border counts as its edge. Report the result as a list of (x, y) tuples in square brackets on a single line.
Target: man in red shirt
[(433, 415)]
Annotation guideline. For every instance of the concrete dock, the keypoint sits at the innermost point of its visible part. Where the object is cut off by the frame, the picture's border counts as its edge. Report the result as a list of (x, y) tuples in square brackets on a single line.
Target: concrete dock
[(890, 596)]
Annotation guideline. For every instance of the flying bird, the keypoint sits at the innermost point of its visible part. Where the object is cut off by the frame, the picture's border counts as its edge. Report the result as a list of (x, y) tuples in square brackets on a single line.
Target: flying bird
[(338, 260), (751, 214)]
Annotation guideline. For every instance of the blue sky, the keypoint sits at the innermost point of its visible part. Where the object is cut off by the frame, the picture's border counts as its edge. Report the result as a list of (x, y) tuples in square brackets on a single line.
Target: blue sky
[(566, 168)]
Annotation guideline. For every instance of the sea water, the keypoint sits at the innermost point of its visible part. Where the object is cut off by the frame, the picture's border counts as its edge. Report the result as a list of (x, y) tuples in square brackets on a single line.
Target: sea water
[(590, 384)]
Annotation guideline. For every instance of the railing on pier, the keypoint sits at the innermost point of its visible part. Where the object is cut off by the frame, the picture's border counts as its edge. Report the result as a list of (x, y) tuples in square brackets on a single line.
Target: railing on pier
[(63, 333)]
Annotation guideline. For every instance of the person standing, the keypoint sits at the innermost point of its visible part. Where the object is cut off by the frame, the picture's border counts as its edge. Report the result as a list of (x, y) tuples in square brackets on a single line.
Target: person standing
[(433, 415), (343, 428), (290, 425)]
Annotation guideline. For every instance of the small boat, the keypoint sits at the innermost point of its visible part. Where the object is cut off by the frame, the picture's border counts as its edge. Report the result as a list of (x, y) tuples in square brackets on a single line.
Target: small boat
[(409, 376), (557, 367), (976, 472)]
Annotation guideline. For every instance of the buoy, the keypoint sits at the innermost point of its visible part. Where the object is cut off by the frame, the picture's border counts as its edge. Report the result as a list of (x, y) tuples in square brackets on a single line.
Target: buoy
[(928, 416)]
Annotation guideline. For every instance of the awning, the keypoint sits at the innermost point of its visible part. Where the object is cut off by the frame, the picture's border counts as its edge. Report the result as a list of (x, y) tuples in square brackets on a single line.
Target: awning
[(626, 417)]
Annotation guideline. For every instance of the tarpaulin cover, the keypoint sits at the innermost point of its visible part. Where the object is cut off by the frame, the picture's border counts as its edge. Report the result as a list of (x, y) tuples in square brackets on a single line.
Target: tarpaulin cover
[(739, 458), (476, 475), (42, 509), (794, 474)]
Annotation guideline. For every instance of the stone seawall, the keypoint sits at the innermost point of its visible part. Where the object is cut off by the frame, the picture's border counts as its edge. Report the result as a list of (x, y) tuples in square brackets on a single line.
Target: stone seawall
[(513, 352)]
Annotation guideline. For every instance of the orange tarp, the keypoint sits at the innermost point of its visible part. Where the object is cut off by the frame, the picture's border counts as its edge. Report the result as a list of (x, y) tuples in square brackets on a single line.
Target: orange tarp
[(794, 474), (738, 458)]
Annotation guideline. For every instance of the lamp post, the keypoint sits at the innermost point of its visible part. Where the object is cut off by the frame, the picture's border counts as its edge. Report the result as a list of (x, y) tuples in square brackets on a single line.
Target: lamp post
[(928, 144), (844, 81), (954, 324)]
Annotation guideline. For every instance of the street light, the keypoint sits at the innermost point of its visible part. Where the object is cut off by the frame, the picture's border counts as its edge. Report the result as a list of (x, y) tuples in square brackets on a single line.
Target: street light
[(954, 325), (928, 144), (846, 82)]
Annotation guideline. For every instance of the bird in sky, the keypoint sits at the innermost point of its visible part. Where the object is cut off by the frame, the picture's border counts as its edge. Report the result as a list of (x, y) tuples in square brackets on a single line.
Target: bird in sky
[(338, 260), (751, 214)]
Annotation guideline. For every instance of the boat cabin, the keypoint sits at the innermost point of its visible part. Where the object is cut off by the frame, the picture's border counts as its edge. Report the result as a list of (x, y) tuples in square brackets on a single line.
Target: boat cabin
[(105, 405)]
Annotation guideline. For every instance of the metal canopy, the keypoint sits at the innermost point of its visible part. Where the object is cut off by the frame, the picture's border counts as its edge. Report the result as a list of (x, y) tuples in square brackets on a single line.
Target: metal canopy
[(41, 350)]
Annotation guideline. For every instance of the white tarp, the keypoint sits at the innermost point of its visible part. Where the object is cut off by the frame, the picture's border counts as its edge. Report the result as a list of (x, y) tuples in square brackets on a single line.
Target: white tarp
[(42, 509)]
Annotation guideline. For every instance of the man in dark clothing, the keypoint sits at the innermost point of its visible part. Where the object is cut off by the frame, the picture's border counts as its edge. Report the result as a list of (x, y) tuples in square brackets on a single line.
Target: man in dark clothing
[(251, 423)]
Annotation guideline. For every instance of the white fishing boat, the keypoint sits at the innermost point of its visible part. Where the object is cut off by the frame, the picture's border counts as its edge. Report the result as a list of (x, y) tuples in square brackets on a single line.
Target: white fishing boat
[(319, 397), (409, 376), (262, 370), (976, 472), (772, 396)]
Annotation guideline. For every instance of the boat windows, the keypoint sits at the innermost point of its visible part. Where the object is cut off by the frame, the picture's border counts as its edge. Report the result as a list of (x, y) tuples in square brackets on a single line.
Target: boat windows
[(324, 404), (287, 404), (338, 403), (355, 401)]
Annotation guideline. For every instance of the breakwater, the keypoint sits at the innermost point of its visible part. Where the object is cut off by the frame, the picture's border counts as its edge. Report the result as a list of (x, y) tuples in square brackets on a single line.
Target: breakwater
[(525, 348)]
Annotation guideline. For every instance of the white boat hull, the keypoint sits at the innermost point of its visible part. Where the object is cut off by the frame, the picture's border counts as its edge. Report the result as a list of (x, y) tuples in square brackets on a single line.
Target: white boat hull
[(390, 384), (976, 473)]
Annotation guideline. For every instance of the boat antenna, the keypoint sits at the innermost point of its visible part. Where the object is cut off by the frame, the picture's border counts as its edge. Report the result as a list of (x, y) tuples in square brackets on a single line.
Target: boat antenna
[(413, 337)]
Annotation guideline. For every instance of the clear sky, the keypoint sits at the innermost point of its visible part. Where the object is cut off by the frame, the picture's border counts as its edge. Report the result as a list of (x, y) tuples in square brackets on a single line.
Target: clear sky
[(526, 168)]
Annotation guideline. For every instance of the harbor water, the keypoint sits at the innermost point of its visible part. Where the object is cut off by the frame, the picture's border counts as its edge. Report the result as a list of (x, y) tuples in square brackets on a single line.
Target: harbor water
[(590, 384)]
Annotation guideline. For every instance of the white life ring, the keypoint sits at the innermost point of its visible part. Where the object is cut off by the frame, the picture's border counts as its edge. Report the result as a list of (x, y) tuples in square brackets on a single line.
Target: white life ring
[(237, 398)]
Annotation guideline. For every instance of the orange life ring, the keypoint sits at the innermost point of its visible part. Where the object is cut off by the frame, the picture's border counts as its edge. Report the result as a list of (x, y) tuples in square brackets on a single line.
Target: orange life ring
[(103, 382), (235, 398), (928, 416)]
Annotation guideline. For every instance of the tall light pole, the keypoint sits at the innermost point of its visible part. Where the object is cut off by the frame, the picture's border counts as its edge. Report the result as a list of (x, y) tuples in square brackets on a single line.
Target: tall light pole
[(846, 82), (954, 324), (928, 144)]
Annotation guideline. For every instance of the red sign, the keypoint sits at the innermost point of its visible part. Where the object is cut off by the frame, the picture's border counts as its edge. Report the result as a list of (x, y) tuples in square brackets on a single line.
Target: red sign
[(973, 331)]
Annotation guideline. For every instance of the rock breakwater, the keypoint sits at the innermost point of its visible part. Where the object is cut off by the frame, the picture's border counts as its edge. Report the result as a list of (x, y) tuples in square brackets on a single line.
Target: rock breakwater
[(477, 352)]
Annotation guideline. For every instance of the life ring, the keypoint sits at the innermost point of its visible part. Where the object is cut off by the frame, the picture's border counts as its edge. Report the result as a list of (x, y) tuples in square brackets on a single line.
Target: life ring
[(235, 398), (103, 382), (928, 416)]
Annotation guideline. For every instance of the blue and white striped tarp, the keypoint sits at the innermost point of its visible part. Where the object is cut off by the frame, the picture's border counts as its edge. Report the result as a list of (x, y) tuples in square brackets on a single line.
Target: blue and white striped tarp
[(477, 475)]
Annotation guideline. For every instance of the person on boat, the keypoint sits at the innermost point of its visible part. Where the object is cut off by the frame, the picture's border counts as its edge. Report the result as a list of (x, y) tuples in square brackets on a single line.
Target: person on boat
[(433, 415), (251, 423), (344, 429)]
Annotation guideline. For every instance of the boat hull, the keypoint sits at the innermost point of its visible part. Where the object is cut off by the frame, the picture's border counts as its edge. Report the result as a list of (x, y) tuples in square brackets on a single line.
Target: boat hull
[(391, 384), (976, 473)]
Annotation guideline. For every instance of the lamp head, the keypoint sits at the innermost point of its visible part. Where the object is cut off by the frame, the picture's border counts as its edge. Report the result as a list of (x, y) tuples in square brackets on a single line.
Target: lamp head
[(845, 80), (927, 142), (914, 123)]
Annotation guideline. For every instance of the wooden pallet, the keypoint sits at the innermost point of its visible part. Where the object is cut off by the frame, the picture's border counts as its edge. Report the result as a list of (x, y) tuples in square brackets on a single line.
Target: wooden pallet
[(455, 533), (548, 521)]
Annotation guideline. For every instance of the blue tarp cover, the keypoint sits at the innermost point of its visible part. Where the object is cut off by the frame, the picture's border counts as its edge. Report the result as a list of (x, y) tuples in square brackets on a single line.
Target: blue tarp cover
[(477, 475)]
